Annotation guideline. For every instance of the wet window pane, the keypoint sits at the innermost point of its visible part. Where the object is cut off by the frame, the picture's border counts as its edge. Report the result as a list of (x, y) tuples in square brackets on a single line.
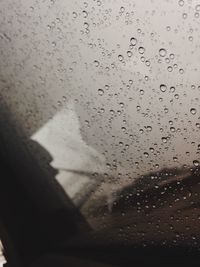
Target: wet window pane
[(110, 90)]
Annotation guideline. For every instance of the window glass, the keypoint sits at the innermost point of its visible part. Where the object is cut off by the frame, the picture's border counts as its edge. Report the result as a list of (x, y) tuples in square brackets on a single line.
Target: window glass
[(110, 89)]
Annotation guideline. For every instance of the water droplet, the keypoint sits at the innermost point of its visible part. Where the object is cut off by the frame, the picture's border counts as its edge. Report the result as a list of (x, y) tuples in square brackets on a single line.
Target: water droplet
[(147, 62), (162, 52), (163, 88), (151, 149), (141, 92), (166, 110), (85, 14), (198, 125), (121, 143), (54, 44), (184, 15), (149, 128), (167, 60), (85, 4), (190, 38), (164, 139), (120, 57), (172, 89), (122, 9), (64, 98), (142, 59), (141, 50), (96, 63), (133, 41), (181, 3), (197, 7), (168, 28), (100, 92), (141, 131), (176, 96), (87, 123), (74, 14), (169, 68), (193, 111), (86, 25), (195, 163), (129, 53), (181, 71)]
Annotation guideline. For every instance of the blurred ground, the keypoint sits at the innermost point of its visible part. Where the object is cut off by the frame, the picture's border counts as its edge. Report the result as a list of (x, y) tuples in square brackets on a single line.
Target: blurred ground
[(164, 212)]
